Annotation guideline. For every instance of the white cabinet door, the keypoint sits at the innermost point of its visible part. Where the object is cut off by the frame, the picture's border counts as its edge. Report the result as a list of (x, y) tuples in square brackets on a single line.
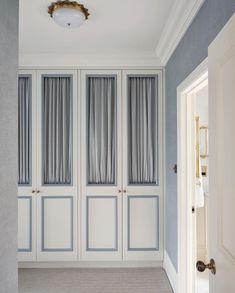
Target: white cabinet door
[(26, 166), (142, 165), (101, 165), (222, 158), (57, 161)]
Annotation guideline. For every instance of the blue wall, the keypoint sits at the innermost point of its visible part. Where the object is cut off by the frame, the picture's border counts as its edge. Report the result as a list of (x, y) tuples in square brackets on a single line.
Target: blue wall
[(8, 144), (191, 51)]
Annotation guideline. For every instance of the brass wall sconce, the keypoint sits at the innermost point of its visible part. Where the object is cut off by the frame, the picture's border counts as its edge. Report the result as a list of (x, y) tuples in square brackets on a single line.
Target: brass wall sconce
[(201, 144)]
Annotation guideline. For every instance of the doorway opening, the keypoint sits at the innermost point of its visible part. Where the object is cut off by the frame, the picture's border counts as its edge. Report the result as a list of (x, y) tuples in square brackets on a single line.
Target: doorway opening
[(193, 179)]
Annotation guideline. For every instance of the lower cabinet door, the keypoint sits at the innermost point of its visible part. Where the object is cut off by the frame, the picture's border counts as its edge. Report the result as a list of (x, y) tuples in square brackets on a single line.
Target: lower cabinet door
[(101, 228), (141, 228), (57, 228), (26, 228)]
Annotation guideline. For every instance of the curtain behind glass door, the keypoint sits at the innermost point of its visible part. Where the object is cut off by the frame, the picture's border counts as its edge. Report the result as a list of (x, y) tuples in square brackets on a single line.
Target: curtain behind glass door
[(142, 130), (24, 130), (102, 132), (57, 130)]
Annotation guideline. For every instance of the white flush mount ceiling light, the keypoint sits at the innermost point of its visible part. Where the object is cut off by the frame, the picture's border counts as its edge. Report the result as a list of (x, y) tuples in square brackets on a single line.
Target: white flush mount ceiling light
[(70, 14)]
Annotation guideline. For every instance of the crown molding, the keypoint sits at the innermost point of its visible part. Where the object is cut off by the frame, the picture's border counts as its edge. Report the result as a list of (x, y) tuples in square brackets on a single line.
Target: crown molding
[(79, 60), (180, 18)]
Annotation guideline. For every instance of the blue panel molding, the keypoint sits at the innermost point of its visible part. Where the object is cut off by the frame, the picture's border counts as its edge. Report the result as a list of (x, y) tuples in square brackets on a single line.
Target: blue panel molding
[(132, 197), (28, 249), (104, 249), (55, 249)]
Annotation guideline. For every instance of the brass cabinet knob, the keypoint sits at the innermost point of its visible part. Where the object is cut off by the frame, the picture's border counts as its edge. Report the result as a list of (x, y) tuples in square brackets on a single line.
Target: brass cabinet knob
[(33, 191), (124, 190), (119, 191), (201, 266), (38, 191)]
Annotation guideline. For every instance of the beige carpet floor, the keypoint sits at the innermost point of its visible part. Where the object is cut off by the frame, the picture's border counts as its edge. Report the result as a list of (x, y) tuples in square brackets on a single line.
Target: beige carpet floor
[(115, 280)]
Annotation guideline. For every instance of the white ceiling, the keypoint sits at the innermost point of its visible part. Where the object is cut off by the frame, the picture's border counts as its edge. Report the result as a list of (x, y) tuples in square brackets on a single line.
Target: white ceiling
[(118, 32), (123, 27)]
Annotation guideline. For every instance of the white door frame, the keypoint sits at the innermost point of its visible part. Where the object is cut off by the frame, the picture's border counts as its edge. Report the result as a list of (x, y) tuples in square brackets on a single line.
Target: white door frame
[(186, 177)]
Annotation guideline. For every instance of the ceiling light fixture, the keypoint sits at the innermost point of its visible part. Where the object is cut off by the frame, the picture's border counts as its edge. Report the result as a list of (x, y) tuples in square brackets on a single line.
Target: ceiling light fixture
[(70, 14)]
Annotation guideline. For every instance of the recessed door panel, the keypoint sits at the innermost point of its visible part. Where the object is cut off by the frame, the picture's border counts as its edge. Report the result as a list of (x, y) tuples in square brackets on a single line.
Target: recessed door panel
[(143, 223), (25, 223), (142, 229), (101, 229), (102, 223), (57, 227), (57, 223)]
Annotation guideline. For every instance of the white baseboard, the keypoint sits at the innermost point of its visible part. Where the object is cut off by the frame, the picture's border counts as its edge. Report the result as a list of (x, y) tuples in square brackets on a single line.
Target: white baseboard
[(170, 271), (91, 264)]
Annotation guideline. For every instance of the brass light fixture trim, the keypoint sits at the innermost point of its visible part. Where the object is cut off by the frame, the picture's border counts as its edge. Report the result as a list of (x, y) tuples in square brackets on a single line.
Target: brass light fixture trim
[(67, 4)]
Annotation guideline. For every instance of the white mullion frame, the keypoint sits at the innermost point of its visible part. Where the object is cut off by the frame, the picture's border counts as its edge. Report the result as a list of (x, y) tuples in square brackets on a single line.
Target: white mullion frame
[(145, 190), (96, 190), (27, 190), (57, 190)]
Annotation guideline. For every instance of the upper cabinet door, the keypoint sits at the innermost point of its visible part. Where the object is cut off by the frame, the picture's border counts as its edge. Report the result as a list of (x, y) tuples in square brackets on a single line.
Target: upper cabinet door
[(57, 135), (142, 131), (101, 131)]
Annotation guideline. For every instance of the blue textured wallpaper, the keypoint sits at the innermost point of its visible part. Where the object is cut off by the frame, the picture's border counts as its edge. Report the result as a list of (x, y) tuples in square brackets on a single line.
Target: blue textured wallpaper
[(191, 51), (8, 144)]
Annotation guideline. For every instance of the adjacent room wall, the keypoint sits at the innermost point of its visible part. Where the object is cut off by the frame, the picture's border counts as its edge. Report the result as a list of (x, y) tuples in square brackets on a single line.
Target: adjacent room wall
[(191, 51), (8, 144)]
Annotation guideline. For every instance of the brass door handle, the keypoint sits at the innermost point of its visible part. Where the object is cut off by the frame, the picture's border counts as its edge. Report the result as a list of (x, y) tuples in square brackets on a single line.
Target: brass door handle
[(201, 266)]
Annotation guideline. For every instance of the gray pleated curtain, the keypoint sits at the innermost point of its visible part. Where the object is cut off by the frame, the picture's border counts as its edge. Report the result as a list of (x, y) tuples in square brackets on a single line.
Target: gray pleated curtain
[(24, 130), (101, 116), (57, 130), (142, 120)]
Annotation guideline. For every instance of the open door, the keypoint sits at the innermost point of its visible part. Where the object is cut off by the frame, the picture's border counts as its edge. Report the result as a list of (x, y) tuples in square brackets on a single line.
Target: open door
[(222, 159)]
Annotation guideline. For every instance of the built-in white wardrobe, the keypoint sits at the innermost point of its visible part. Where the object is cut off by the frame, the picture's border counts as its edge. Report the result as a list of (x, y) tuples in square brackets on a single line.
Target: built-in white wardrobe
[(90, 165)]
